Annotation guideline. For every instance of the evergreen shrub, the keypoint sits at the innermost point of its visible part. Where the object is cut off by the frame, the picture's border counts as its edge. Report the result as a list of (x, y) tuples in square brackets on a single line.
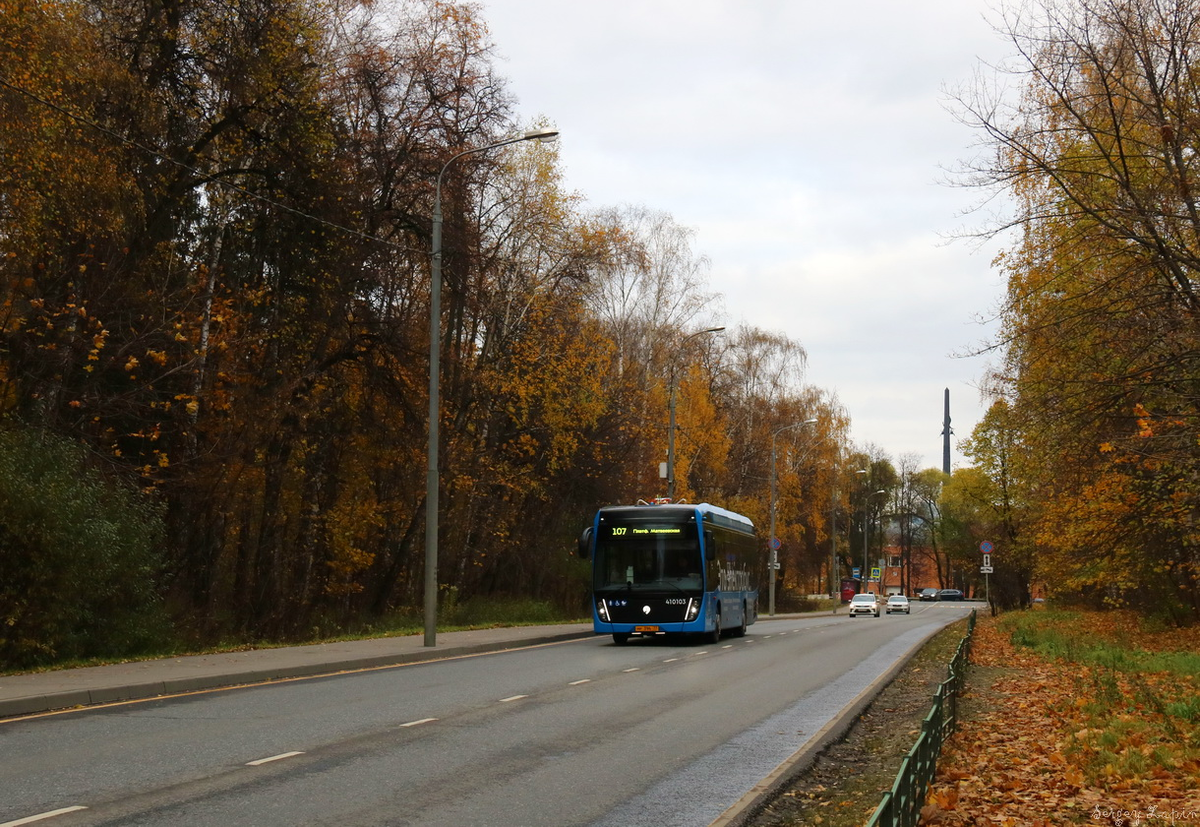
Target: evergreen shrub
[(79, 556)]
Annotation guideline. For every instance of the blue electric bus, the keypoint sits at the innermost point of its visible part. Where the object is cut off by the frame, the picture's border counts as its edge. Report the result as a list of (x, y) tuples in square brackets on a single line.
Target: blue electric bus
[(671, 569)]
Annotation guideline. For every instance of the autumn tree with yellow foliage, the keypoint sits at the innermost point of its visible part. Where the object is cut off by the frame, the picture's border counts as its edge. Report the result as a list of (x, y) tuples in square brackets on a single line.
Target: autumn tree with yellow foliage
[(214, 274), (1100, 328)]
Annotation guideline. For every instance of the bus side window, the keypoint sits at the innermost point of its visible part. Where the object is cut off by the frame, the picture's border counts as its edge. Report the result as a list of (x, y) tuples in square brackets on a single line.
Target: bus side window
[(713, 565)]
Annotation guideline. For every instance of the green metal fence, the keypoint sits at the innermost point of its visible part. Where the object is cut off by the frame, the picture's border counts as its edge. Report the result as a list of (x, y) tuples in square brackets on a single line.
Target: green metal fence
[(901, 806)]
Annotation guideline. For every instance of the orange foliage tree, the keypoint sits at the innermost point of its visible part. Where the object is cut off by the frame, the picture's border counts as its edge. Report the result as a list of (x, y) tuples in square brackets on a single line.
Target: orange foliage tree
[(214, 273), (1100, 325)]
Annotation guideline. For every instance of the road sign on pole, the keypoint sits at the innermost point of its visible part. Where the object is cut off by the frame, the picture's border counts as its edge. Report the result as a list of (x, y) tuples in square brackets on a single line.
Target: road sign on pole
[(986, 547), (985, 570)]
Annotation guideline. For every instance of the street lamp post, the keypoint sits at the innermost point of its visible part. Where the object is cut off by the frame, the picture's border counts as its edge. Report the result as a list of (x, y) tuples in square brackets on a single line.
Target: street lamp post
[(834, 590), (774, 559), (833, 576), (435, 335), (866, 533), (671, 414), (863, 579)]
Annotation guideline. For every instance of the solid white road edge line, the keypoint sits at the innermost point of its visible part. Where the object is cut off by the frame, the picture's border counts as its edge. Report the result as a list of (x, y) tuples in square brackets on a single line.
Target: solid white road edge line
[(40, 816)]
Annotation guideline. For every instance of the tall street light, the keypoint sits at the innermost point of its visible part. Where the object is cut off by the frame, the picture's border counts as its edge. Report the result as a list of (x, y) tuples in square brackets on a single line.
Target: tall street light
[(866, 533), (774, 562), (834, 586), (833, 575), (862, 580), (435, 336), (671, 408)]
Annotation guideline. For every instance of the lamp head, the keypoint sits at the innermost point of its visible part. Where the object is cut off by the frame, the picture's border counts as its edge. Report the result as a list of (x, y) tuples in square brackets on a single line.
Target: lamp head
[(544, 135)]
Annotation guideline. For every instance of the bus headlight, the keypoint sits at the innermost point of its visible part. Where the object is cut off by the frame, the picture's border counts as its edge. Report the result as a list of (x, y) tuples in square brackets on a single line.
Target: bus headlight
[(602, 610), (693, 609)]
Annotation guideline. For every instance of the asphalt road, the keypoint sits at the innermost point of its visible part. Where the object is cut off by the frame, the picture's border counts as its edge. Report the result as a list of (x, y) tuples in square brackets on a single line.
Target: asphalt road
[(574, 733)]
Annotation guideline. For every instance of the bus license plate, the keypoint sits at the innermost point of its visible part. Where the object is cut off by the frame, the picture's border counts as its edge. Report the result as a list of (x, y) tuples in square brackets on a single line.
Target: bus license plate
[(645, 628)]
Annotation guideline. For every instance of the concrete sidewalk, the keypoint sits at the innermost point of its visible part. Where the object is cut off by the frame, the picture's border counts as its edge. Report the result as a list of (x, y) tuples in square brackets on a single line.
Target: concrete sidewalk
[(46, 691)]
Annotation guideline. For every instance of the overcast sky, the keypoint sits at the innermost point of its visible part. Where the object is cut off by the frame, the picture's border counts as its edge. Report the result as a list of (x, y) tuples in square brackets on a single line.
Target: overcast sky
[(806, 144)]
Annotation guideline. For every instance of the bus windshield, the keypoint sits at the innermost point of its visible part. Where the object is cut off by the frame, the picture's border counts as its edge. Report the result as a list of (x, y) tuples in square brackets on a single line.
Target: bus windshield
[(648, 556)]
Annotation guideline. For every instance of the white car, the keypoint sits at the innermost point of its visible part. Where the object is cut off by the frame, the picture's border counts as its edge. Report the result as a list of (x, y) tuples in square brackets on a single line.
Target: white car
[(864, 604), (898, 603)]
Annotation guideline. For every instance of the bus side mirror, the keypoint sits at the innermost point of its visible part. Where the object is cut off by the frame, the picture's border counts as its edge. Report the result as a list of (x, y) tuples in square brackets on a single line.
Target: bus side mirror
[(710, 544), (585, 544)]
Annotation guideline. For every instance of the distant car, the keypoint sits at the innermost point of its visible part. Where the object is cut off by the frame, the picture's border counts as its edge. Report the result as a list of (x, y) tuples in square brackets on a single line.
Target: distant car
[(927, 594), (898, 603), (864, 604), (950, 594)]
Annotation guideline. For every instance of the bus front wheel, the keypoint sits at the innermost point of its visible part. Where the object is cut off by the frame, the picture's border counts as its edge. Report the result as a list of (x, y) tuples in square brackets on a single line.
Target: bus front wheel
[(620, 638), (715, 635), (741, 630)]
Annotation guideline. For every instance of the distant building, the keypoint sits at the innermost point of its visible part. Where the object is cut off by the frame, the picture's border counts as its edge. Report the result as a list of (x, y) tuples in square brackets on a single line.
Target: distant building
[(922, 570)]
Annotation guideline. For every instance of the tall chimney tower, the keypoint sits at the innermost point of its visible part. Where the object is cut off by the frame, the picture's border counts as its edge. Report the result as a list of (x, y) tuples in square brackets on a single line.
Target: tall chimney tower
[(946, 431)]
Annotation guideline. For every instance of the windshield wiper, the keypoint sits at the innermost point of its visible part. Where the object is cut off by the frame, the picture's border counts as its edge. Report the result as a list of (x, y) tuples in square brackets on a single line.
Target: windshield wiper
[(641, 586), (675, 586)]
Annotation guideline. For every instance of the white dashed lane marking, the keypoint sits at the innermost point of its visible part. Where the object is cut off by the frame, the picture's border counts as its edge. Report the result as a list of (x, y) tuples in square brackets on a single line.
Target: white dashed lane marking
[(419, 721), (278, 757)]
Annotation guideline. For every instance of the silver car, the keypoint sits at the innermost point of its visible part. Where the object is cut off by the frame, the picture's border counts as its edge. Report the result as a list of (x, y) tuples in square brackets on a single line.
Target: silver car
[(864, 604), (898, 603)]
